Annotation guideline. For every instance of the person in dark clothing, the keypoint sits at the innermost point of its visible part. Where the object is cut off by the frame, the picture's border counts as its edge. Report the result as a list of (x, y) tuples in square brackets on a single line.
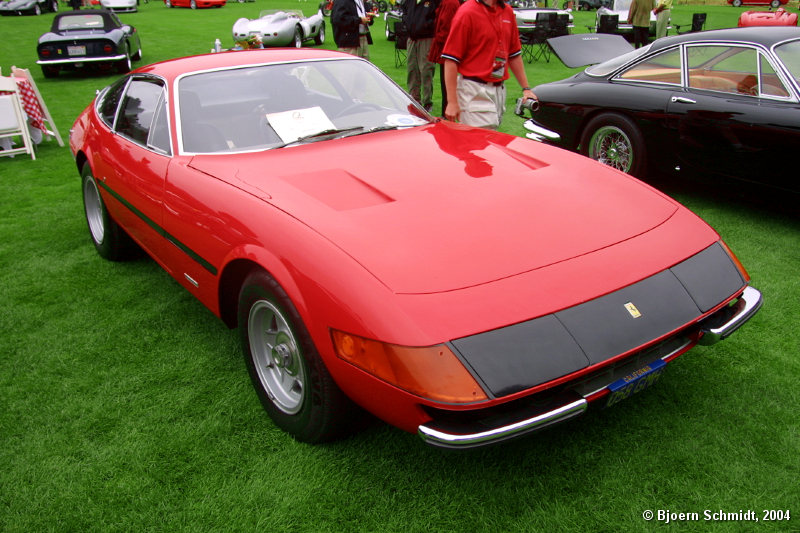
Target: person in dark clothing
[(419, 17), (350, 21), (444, 18)]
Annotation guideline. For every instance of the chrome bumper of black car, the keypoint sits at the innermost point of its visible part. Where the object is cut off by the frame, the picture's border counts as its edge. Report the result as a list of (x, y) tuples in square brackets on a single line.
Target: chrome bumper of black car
[(538, 133), (570, 404), (80, 60)]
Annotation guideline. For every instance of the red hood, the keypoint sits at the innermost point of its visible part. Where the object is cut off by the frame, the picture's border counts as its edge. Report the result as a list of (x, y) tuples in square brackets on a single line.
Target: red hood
[(441, 207)]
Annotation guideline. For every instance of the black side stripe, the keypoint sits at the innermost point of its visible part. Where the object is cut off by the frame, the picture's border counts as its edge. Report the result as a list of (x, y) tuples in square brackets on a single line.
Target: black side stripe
[(161, 231)]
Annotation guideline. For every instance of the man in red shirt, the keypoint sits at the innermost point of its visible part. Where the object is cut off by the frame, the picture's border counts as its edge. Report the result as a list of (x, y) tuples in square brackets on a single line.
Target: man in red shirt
[(482, 47)]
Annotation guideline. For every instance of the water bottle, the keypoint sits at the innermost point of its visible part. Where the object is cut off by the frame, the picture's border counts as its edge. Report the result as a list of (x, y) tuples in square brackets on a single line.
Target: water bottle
[(217, 46)]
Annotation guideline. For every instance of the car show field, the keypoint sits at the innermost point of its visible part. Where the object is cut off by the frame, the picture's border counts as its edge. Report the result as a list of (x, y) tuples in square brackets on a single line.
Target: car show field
[(125, 403)]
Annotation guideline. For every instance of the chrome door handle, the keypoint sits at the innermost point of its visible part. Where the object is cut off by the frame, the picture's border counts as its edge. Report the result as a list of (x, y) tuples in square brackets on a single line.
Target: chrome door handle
[(682, 100)]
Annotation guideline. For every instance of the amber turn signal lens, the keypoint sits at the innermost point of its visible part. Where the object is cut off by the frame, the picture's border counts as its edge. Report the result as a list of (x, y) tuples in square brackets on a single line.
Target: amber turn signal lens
[(431, 372)]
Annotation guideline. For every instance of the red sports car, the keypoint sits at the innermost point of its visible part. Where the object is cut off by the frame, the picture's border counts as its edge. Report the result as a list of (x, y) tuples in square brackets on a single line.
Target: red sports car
[(194, 4), (464, 284), (772, 3)]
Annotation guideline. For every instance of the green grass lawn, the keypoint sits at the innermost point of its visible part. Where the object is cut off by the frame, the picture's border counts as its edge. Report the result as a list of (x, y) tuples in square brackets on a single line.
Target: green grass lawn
[(125, 405)]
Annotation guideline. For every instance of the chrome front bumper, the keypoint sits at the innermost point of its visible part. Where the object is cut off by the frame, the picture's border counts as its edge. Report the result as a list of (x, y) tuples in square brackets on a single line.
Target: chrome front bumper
[(538, 133), (445, 439), (714, 329), (737, 314)]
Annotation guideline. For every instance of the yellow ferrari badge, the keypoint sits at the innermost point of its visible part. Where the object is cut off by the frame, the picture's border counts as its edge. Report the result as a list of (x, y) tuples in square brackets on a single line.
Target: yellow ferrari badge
[(634, 312)]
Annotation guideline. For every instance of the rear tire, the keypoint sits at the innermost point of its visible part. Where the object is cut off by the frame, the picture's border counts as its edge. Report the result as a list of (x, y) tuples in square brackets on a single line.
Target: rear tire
[(616, 141), (297, 40), (737, 3), (50, 71), (320, 37), (289, 376), (124, 65)]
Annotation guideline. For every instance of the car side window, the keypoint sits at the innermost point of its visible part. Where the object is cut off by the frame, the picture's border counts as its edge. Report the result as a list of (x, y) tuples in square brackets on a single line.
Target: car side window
[(109, 102), (661, 68), (138, 109), (159, 132), (724, 68), (770, 83)]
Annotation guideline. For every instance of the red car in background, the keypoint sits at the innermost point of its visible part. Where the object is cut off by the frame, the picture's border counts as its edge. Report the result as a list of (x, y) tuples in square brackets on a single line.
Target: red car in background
[(463, 284), (779, 17), (772, 3), (195, 4)]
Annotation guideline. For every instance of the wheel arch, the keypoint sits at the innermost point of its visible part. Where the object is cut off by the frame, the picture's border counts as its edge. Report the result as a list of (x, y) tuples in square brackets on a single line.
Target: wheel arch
[(81, 159), (237, 269), (587, 118)]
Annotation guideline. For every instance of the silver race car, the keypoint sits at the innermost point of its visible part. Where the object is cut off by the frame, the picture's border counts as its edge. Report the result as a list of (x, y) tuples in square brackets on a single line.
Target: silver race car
[(281, 27)]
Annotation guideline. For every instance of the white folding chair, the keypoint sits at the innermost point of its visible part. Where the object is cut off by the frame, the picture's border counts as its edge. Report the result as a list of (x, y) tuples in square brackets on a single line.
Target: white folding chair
[(13, 122), (51, 130)]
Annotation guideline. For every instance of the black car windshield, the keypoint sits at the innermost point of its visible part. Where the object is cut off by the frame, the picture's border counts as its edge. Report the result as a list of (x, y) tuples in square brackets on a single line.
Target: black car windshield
[(607, 67), (274, 106), (789, 54)]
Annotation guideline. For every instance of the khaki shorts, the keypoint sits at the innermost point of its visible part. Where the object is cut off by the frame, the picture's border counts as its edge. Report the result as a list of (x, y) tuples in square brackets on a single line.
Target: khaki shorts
[(482, 104)]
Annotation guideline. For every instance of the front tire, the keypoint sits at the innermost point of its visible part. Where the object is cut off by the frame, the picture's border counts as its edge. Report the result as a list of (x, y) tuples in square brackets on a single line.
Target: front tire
[(616, 141), (737, 3), (289, 376), (109, 239), (775, 4), (193, 4)]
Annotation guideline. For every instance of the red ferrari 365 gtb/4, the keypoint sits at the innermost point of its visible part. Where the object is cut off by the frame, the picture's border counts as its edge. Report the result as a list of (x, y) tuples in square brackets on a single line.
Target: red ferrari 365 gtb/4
[(463, 284)]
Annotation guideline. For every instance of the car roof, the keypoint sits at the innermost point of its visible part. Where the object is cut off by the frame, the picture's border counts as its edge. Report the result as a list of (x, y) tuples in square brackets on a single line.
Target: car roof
[(173, 68), (764, 35)]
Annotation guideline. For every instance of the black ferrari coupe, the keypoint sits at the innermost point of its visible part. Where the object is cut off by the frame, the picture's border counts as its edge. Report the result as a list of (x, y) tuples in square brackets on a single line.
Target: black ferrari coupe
[(723, 101)]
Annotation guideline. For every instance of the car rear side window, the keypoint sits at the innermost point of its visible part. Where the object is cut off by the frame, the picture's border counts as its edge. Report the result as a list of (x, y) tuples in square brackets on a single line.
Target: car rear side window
[(662, 68), (138, 109)]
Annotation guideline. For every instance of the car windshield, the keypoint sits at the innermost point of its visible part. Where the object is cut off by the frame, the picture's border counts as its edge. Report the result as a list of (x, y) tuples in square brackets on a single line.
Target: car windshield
[(607, 67), (281, 14), (272, 106), (789, 54)]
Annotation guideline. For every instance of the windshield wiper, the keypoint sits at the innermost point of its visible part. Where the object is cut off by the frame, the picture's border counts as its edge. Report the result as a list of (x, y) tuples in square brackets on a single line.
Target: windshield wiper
[(323, 133)]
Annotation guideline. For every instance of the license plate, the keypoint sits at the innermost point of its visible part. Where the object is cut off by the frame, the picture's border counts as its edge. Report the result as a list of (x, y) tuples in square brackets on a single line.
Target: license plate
[(76, 50), (635, 382)]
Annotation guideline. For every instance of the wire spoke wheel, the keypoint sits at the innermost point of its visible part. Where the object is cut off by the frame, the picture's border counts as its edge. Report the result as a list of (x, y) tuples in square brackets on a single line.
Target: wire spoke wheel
[(611, 146), (276, 357), (615, 140)]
